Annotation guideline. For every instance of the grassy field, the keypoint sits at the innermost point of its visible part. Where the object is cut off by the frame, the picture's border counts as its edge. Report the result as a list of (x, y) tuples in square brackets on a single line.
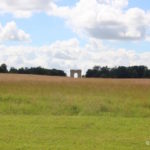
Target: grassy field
[(52, 113)]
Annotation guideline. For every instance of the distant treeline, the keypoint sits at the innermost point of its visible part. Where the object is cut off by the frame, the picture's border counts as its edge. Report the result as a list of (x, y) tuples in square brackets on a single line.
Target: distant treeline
[(96, 72), (33, 70), (119, 72)]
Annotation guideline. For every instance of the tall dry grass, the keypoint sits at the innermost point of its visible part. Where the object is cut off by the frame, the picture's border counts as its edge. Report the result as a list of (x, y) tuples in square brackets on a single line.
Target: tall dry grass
[(30, 94)]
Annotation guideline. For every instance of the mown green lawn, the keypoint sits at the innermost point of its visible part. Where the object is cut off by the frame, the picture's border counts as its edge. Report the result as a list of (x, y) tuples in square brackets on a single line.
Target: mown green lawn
[(73, 133), (51, 113)]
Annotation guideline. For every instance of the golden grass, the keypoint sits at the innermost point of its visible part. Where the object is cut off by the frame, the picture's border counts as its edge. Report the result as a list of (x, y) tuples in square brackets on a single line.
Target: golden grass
[(103, 82), (32, 94)]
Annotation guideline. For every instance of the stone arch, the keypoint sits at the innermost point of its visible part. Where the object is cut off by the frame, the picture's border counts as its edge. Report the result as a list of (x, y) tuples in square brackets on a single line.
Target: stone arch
[(78, 72)]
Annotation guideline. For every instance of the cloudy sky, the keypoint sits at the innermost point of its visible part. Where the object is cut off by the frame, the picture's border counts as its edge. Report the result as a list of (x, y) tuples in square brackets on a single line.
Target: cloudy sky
[(74, 34)]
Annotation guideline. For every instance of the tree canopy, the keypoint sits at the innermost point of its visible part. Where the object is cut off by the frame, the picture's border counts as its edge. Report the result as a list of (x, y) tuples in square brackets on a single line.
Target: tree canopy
[(32, 70), (119, 72)]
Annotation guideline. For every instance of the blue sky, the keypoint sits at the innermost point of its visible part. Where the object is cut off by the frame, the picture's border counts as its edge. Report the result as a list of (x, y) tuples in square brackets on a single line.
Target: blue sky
[(144, 4), (60, 23)]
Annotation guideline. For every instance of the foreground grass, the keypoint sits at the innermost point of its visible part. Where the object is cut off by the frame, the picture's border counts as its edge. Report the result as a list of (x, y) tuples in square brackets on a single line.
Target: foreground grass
[(73, 133), (51, 113)]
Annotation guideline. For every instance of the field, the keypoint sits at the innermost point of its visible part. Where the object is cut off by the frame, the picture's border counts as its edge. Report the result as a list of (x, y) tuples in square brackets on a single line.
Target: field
[(54, 113)]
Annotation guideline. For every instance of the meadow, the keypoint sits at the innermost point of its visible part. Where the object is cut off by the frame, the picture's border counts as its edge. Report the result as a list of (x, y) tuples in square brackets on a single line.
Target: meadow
[(55, 113)]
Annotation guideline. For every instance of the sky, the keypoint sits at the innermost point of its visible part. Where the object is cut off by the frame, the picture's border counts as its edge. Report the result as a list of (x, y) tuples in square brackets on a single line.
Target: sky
[(74, 34)]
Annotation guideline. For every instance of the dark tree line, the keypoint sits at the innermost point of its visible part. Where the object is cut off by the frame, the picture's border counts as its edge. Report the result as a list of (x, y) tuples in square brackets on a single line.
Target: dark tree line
[(96, 72), (119, 72), (32, 70)]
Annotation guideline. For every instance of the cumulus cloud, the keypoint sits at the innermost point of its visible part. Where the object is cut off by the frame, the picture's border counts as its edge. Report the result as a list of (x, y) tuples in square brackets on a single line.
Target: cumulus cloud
[(101, 19), (106, 19), (96, 19), (24, 8), (10, 32), (69, 54)]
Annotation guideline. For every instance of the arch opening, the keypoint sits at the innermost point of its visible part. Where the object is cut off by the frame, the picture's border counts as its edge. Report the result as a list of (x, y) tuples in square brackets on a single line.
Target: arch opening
[(76, 75)]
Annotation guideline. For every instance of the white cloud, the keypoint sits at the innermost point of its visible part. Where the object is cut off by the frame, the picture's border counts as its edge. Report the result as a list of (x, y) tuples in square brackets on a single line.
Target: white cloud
[(24, 8), (101, 19), (96, 19), (106, 19), (69, 54), (10, 32)]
